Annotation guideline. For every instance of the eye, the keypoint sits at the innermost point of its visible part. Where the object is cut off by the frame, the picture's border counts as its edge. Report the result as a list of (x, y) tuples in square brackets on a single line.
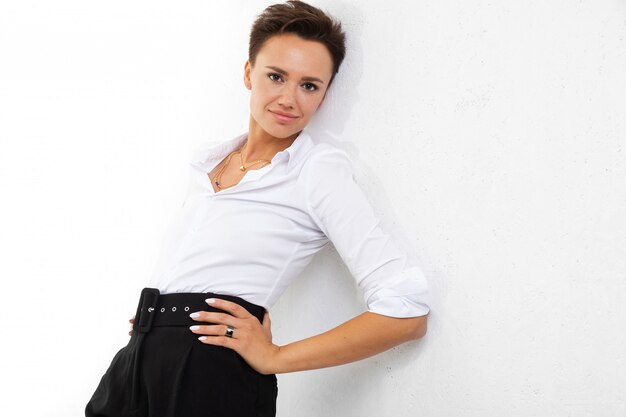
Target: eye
[(273, 74), (310, 86)]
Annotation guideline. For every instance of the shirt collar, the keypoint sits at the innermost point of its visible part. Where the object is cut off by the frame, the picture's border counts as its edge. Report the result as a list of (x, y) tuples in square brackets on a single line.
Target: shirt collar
[(292, 154)]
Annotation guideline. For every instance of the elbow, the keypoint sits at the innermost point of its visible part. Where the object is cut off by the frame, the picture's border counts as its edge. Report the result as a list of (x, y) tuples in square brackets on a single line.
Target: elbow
[(418, 327)]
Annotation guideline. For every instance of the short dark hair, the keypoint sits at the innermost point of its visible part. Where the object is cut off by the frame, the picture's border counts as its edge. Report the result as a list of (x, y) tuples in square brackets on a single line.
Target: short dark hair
[(304, 20)]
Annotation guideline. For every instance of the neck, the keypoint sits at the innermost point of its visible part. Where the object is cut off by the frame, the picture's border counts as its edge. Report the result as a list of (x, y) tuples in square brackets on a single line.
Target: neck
[(262, 145)]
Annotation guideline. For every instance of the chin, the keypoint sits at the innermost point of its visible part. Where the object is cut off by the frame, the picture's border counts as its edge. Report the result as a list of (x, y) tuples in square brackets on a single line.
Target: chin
[(282, 133)]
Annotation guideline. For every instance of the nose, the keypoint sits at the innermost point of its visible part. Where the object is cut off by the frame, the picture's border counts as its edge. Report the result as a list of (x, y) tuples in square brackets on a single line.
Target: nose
[(287, 96)]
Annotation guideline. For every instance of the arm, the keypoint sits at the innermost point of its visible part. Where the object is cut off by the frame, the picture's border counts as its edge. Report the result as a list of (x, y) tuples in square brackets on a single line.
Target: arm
[(358, 338), (395, 292), (362, 336)]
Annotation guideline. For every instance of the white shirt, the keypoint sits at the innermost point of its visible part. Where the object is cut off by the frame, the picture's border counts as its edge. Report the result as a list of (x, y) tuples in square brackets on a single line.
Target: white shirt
[(251, 240)]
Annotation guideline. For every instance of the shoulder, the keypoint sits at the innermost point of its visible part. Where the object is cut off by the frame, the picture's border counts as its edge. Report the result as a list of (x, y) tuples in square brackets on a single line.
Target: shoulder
[(327, 171), (326, 159), (209, 148), (200, 151)]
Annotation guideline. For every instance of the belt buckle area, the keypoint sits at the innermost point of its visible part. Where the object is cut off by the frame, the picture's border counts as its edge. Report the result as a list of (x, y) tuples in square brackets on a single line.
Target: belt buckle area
[(147, 309)]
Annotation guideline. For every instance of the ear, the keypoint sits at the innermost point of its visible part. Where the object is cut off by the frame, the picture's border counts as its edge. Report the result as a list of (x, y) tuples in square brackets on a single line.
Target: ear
[(246, 75)]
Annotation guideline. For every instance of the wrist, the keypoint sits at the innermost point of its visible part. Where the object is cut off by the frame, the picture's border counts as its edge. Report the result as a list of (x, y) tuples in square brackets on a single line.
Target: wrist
[(276, 360)]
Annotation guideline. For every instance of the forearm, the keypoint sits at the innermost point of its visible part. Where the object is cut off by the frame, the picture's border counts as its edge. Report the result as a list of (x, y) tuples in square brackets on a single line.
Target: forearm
[(358, 338)]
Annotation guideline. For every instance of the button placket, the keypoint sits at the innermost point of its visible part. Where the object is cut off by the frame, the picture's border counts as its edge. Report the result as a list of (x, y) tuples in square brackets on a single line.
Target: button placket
[(192, 216)]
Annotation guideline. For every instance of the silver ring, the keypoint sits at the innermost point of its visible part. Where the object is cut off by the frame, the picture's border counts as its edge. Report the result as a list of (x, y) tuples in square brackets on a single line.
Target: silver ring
[(229, 331)]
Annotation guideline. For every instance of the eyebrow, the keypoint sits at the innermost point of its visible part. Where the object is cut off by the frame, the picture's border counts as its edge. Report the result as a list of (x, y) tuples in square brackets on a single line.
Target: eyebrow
[(283, 72)]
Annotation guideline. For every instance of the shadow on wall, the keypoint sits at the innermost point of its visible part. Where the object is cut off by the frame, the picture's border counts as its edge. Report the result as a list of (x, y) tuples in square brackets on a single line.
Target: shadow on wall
[(329, 125), (325, 295)]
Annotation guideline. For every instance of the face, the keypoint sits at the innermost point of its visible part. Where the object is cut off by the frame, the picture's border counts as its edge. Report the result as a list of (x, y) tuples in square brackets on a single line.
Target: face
[(287, 84)]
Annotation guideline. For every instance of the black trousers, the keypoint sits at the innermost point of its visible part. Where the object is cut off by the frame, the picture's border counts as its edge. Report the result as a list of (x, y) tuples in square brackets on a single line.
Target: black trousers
[(165, 371)]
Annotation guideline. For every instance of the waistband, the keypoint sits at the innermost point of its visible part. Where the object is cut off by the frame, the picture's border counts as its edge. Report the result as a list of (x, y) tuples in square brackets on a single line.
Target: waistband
[(155, 309)]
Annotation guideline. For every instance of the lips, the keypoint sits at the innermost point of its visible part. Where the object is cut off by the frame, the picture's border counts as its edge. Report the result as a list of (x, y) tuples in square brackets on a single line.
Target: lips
[(282, 116)]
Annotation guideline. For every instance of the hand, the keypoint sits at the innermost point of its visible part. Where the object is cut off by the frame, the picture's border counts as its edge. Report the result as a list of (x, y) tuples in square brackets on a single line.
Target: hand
[(132, 320), (251, 339)]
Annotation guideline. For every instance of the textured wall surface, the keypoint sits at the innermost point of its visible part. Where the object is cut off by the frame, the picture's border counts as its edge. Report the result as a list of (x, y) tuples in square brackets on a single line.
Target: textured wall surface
[(489, 135)]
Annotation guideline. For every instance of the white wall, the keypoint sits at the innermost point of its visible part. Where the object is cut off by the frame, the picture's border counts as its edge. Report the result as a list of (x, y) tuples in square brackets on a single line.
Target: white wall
[(490, 136)]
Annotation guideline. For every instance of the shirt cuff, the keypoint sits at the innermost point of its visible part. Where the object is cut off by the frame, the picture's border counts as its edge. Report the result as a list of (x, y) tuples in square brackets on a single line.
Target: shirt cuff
[(403, 295)]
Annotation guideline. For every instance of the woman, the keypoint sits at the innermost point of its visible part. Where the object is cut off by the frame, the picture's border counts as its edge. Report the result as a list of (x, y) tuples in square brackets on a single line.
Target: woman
[(259, 207)]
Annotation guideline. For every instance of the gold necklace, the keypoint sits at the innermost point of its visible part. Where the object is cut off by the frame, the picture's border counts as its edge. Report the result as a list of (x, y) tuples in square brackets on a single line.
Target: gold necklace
[(242, 167)]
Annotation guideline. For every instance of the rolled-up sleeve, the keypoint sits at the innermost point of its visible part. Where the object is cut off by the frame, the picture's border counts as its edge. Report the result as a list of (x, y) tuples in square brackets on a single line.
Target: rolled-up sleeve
[(379, 266)]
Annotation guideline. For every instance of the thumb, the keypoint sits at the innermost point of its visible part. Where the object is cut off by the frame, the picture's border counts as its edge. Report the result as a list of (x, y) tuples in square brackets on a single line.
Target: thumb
[(267, 323)]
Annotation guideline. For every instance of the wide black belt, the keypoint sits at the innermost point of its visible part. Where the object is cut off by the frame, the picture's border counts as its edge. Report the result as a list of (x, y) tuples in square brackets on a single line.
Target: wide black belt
[(156, 309)]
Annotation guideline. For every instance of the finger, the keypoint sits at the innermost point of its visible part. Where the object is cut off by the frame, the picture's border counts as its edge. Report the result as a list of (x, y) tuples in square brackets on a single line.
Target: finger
[(228, 342), (132, 319), (216, 318), (232, 308), (213, 330)]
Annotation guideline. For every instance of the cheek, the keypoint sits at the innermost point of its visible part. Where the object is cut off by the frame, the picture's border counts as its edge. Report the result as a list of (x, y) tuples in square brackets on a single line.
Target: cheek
[(310, 103), (257, 103), (263, 94)]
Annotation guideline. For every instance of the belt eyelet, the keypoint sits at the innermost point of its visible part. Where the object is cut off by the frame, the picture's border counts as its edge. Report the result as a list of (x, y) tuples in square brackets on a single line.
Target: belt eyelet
[(173, 308), (186, 308), (162, 309)]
